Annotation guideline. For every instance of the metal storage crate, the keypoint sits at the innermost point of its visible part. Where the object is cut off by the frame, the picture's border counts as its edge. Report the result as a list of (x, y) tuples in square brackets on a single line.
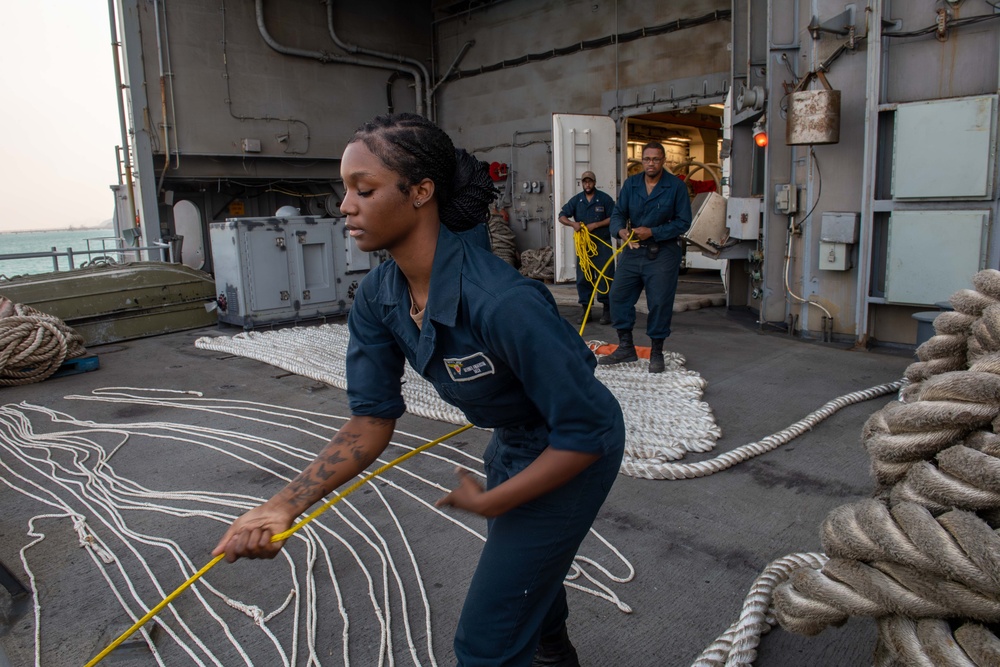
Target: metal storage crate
[(270, 270)]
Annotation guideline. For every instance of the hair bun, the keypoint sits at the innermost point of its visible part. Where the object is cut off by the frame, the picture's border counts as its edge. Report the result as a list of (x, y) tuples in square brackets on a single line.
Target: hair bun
[(472, 194)]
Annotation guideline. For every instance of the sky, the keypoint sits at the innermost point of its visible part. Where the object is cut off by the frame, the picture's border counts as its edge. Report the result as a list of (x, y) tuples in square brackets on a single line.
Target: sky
[(58, 104)]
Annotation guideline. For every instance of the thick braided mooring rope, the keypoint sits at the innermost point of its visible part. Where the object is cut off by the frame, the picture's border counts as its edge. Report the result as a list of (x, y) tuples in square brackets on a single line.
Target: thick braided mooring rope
[(923, 555), (502, 239), (33, 345)]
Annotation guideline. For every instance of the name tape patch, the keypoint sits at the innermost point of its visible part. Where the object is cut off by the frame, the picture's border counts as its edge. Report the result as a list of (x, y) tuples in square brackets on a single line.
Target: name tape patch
[(474, 366)]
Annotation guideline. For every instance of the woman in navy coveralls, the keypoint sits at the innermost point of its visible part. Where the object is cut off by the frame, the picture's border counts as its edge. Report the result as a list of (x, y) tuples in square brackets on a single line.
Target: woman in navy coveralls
[(494, 345)]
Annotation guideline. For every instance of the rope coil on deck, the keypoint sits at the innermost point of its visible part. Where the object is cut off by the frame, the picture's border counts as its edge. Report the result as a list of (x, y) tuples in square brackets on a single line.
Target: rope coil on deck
[(33, 345), (923, 555), (655, 434)]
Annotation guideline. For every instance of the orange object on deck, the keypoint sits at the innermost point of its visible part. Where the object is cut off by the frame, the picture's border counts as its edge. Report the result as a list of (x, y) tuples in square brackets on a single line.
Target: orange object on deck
[(601, 350)]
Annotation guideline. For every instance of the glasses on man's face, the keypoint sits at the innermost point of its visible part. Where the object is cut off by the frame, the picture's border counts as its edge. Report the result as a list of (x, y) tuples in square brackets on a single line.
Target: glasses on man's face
[(653, 160)]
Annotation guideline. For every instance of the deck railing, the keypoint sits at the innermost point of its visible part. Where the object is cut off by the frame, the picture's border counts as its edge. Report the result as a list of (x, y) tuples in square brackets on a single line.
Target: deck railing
[(117, 252)]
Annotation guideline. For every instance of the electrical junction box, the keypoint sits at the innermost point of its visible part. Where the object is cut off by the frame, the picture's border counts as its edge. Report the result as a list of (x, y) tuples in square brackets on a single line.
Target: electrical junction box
[(743, 218), (270, 269), (839, 227), (834, 256), (786, 198)]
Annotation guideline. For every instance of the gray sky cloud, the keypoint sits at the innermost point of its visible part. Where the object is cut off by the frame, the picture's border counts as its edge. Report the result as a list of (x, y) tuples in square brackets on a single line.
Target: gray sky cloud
[(59, 113)]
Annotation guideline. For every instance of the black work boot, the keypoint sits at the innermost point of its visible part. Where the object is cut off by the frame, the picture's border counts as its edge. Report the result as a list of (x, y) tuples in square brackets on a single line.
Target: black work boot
[(605, 314), (555, 650), (656, 356), (625, 351), (583, 315)]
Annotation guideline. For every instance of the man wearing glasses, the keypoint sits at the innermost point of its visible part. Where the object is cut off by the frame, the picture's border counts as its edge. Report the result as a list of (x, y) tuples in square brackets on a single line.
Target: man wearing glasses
[(654, 208)]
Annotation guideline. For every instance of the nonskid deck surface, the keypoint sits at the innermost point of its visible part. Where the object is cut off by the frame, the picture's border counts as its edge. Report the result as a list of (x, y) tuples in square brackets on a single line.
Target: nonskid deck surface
[(695, 546)]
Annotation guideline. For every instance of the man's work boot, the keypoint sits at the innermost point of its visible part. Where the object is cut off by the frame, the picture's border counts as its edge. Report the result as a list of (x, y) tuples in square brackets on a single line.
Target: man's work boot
[(555, 650), (583, 314), (625, 351), (656, 356), (605, 314)]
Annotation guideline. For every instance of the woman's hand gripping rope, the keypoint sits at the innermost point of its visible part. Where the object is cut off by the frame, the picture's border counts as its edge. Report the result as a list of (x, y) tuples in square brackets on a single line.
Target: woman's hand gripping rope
[(276, 539), (586, 247)]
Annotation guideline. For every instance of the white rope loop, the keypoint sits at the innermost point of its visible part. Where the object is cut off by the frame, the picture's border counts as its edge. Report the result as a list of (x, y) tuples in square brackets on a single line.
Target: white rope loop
[(737, 646), (48, 469)]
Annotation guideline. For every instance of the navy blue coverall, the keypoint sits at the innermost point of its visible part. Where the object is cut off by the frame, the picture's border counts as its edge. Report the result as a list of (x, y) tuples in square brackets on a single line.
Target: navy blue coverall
[(585, 212), (656, 264), (494, 345)]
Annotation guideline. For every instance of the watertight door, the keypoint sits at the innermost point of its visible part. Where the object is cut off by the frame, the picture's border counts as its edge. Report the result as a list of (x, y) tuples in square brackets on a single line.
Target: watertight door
[(579, 143)]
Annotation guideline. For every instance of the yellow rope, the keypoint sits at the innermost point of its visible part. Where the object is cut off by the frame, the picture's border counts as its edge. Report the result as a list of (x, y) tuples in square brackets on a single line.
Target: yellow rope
[(586, 248), (585, 245), (277, 538)]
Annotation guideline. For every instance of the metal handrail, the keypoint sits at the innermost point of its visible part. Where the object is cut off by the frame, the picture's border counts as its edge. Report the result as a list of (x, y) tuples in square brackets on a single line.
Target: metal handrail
[(166, 249)]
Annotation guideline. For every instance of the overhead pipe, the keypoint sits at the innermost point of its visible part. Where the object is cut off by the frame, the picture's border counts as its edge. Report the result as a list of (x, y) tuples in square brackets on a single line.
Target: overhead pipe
[(163, 94), (451, 68), (422, 82), (325, 57), (126, 150), (170, 85)]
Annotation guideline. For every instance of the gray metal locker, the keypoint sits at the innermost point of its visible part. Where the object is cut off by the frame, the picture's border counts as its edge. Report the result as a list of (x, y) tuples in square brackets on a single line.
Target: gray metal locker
[(271, 270)]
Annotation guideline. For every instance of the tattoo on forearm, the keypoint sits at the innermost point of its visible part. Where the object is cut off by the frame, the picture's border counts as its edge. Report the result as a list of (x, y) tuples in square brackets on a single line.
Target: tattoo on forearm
[(313, 483)]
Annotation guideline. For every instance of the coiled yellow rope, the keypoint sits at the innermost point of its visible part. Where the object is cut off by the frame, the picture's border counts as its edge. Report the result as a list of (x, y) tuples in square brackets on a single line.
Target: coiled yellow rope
[(585, 245), (277, 538)]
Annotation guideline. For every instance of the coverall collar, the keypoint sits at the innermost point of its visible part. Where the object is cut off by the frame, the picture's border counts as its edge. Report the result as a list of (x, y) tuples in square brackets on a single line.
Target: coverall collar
[(442, 300), (446, 278)]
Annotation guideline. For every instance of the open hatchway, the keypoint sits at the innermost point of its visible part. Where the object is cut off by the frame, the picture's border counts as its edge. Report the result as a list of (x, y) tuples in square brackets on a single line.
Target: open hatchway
[(692, 139)]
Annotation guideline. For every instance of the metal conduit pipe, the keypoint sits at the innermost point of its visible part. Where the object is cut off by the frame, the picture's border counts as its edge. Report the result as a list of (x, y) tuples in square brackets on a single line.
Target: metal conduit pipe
[(325, 57), (126, 150), (512, 176), (828, 320), (451, 68), (422, 89), (163, 97), (170, 86)]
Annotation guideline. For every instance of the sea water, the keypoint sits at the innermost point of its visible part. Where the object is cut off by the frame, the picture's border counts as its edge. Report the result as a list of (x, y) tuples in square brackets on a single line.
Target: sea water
[(43, 241)]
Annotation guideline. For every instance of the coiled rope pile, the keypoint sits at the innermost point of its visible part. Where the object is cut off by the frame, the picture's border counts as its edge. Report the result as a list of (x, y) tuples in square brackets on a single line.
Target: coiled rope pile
[(537, 263), (664, 418), (502, 239), (922, 556), (33, 345)]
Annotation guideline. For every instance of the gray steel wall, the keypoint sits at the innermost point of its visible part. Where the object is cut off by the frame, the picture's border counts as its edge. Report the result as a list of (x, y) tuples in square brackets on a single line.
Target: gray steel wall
[(484, 111), (774, 48), (302, 110), (227, 84)]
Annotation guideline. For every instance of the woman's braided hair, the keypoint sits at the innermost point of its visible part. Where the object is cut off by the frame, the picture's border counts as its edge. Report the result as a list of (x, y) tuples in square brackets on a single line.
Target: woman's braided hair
[(415, 148)]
